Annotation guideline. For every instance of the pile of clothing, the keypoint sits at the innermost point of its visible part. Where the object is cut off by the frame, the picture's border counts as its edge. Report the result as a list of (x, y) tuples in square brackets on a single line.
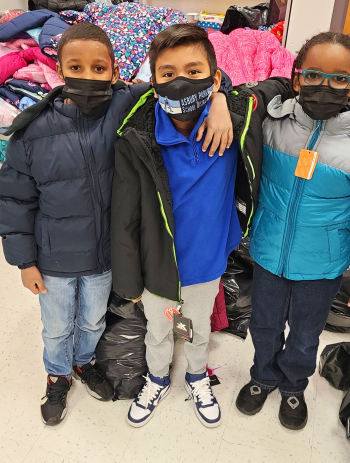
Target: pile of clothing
[(29, 41), (248, 55), (131, 28), (27, 64)]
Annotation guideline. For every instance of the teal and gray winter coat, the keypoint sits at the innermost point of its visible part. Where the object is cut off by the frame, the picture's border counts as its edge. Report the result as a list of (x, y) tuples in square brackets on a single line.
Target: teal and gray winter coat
[(301, 229)]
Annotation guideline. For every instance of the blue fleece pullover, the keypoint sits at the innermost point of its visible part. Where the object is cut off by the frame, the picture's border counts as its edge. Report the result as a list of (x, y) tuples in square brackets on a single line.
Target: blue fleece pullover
[(202, 189)]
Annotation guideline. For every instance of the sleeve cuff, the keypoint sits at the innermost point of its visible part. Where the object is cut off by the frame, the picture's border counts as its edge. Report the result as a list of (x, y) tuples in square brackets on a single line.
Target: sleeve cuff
[(24, 266)]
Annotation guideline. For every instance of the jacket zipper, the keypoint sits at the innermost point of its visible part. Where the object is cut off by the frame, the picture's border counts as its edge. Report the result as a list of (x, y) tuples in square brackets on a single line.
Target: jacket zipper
[(93, 189), (294, 201)]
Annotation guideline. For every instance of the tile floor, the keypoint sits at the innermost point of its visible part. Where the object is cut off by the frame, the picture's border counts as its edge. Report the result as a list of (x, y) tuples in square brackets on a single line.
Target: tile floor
[(97, 432)]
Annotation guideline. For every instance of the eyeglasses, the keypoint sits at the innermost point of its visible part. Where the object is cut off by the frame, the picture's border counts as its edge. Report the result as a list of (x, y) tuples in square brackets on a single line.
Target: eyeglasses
[(317, 78)]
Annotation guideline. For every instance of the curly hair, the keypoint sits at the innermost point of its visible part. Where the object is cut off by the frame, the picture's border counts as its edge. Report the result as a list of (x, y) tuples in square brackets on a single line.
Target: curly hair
[(319, 39)]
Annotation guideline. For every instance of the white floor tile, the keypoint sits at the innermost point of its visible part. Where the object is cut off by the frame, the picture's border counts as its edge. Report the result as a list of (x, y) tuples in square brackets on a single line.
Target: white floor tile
[(248, 447), (12, 451), (92, 432), (40, 456), (172, 436), (96, 432)]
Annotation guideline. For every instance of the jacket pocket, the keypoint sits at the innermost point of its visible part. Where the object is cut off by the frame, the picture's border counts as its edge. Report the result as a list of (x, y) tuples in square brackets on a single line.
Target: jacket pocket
[(45, 237), (334, 244)]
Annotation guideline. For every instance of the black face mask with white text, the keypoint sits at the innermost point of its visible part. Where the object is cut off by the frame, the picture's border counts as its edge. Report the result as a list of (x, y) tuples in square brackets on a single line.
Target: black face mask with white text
[(323, 102), (87, 94), (184, 99)]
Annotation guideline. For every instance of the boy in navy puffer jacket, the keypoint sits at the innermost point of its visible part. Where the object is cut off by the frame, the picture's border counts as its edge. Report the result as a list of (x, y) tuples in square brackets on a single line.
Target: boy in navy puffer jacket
[(55, 194)]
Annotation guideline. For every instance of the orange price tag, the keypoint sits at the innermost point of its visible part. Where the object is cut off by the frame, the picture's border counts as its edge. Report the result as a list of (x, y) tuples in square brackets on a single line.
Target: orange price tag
[(306, 164)]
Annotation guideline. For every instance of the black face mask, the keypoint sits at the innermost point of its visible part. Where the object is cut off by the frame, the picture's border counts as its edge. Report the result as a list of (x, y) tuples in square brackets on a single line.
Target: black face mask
[(323, 102), (87, 94), (184, 99)]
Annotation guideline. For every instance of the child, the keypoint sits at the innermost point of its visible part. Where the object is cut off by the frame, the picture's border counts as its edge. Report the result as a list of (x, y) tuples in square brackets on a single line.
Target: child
[(174, 217), (55, 194), (300, 236)]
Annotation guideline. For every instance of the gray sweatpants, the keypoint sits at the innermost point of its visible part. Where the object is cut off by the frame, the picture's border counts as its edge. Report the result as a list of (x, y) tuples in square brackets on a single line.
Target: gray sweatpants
[(198, 306)]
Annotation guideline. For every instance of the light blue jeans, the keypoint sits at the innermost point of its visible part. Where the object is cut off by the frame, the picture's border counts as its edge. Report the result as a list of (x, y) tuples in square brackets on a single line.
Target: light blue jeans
[(73, 314)]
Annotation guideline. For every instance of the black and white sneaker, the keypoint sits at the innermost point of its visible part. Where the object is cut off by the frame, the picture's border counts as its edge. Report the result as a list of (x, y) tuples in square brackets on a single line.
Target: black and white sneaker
[(251, 398), (206, 408), (95, 380), (293, 412), (143, 407), (54, 408)]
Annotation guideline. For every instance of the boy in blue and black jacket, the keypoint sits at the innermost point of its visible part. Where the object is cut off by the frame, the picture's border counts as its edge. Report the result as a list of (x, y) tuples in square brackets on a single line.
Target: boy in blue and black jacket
[(55, 199), (174, 216)]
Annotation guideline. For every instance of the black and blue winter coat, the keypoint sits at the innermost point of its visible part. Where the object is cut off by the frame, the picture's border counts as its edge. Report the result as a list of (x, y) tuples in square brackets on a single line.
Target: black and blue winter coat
[(55, 185)]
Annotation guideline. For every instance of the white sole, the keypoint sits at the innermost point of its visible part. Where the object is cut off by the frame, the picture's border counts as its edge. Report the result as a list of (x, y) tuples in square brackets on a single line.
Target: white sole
[(90, 392), (143, 423), (204, 423)]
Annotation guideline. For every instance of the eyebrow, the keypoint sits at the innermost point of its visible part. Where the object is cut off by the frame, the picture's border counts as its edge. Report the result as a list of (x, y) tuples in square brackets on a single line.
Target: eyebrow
[(194, 63), (166, 66)]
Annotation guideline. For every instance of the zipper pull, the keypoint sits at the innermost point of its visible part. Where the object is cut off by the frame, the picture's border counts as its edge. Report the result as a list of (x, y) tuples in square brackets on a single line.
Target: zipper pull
[(179, 306)]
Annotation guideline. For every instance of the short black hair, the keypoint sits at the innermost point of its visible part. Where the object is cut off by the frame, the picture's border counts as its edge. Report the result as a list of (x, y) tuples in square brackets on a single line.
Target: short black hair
[(85, 31), (182, 34), (319, 39)]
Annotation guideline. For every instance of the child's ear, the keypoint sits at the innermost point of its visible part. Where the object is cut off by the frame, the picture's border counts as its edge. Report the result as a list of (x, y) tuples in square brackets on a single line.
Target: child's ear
[(296, 84), (155, 93), (115, 76), (59, 72), (217, 81)]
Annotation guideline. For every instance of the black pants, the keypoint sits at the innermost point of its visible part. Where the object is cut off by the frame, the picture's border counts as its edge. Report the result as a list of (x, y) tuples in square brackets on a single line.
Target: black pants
[(287, 363)]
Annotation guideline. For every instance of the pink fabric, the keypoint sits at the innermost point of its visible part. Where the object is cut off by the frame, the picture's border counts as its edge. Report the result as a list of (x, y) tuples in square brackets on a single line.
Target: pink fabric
[(51, 75), (32, 72), (50, 51), (249, 55), (219, 318), (12, 62), (4, 50), (21, 44), (7, 113), (40, 73)]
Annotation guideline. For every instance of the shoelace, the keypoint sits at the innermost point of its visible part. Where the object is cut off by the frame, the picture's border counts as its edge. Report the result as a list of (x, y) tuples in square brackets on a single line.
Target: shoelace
[(56, 394), (93, 377), (149, 392), (203, 391)]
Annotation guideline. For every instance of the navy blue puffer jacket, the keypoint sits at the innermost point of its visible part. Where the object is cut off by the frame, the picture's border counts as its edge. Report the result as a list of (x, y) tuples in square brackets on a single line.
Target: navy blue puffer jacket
[(55, 185)]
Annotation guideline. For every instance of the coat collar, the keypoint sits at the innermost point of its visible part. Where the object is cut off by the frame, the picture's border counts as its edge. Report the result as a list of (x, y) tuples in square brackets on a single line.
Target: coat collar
[(334, 126)]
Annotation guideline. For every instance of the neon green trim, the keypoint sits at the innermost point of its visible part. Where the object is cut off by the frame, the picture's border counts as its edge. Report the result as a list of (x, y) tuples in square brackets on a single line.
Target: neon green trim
[(169, 231), (250, 110), (140, 103), (234, 92), (249, 116), (251, 165)]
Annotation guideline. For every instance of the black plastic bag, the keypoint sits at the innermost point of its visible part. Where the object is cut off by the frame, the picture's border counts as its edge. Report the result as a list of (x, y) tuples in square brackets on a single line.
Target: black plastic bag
[(237, 282), (121, 351), (335, 365), (339, 315), (237, 17), (344, 413)]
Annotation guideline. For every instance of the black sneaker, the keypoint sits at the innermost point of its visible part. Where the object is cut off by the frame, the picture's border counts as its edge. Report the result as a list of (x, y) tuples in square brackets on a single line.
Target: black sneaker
[(55, 408), (293, 412), (94, 378), (251, 398)]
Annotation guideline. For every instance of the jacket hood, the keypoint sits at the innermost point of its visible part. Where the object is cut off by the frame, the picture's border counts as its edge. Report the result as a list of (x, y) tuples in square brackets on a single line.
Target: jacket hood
[(334, 126)]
